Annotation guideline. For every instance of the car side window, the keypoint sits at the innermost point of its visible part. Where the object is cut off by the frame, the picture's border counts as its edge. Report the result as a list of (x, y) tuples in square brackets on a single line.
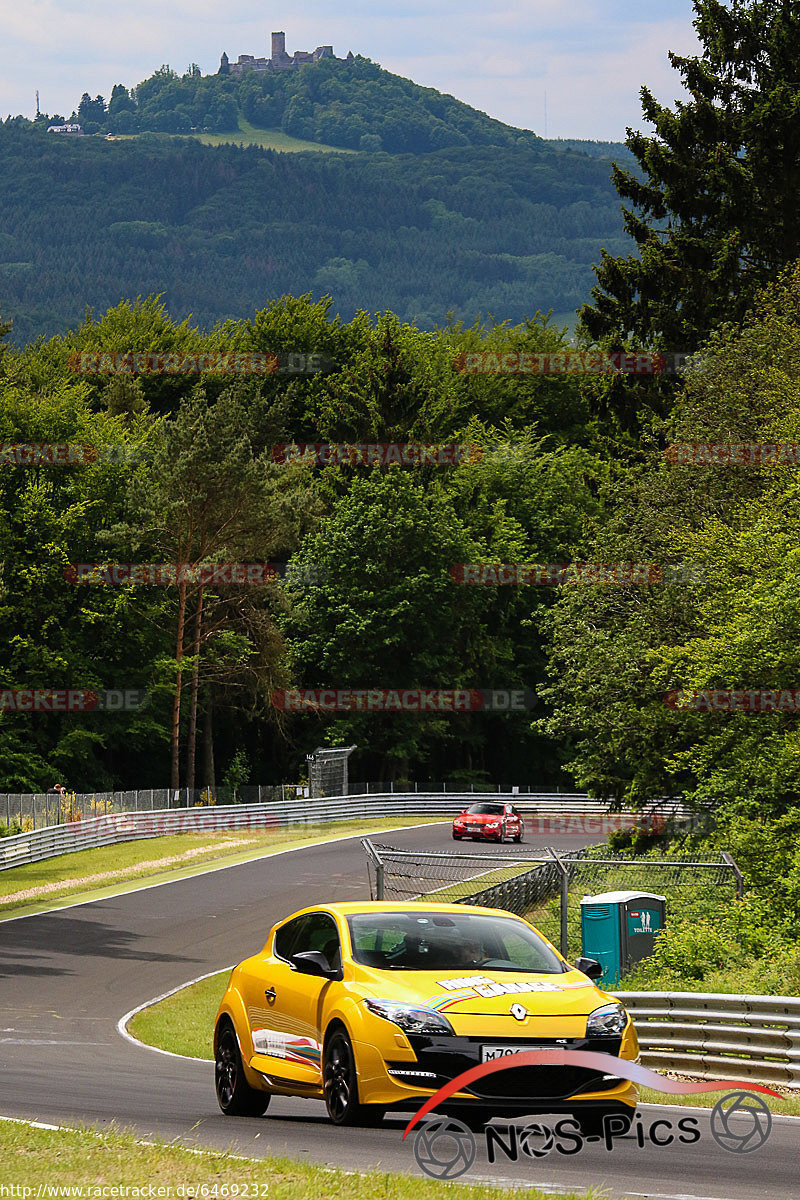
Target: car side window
[(314, 931), (321, 934), (287, 937)]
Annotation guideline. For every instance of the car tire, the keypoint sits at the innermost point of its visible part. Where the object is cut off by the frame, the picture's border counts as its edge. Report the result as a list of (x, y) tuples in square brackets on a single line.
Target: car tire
[(518, 838), (340, 1083), (456, 837), (235, 1096)]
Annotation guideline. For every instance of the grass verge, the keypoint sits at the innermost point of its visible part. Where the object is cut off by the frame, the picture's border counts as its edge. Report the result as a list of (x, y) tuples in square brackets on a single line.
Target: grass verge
[(92, 874), (34, 1158), (452, 892), (787, 1107)]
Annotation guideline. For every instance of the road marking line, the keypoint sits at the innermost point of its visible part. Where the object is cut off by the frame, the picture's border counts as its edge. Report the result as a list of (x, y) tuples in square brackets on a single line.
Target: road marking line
[(48, 1042), (122, 1023)]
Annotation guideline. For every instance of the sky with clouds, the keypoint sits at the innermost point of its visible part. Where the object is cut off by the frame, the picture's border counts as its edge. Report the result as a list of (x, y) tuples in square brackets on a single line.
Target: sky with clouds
[(583, 62)]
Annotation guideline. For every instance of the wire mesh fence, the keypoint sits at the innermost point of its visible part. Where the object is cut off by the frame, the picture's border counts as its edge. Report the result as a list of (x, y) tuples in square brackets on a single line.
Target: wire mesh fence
[(683, 880), (546, 887), (454, 788), (27, 811), (328, 771), (456, 877)]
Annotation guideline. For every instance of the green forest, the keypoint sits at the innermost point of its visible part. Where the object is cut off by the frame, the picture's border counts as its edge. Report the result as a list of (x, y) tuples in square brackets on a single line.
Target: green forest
[(440, 238), (575, 468), (351, 103), (218, 231)]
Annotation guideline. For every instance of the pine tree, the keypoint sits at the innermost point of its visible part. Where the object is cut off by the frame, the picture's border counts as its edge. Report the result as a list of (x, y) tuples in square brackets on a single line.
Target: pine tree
[(714, 213), (5, 329)]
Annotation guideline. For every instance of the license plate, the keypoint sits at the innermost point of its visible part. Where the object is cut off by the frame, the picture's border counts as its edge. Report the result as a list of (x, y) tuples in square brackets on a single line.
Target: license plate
[(488, 1053)]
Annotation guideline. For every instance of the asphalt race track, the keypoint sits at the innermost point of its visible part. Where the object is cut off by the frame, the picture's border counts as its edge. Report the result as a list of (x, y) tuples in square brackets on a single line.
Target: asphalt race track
[(67, 977)]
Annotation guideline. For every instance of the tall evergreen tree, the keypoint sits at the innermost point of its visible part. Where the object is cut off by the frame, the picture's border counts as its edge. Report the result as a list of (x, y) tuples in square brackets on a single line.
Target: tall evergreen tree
[(5, 329), (714, 208)]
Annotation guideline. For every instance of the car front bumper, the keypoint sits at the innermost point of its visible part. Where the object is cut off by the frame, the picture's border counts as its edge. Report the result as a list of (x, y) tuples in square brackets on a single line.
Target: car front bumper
[(546, 1089)]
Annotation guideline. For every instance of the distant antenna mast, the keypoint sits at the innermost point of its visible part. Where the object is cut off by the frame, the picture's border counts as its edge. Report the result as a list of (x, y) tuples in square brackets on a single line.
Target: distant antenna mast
[(37, 102), (545, 114)]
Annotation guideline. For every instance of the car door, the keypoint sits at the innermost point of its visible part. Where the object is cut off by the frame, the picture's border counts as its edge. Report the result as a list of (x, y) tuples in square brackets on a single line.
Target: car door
[(286, 1019), (513, 821)]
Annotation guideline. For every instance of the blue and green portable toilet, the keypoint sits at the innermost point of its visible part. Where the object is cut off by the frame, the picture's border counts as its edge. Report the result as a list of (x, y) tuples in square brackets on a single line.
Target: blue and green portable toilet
[(619, 929)]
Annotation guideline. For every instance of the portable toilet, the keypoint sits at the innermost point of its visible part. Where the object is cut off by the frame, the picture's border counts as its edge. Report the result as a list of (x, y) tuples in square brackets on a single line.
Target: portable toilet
[(619, 929)]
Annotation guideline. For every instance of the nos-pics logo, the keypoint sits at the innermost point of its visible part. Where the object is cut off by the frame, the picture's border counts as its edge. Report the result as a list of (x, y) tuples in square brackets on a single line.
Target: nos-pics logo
[(445, 1148)]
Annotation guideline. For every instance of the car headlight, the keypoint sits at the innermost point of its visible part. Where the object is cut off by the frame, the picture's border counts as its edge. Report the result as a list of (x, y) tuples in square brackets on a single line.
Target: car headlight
[(410, 1017), (608, 1021)]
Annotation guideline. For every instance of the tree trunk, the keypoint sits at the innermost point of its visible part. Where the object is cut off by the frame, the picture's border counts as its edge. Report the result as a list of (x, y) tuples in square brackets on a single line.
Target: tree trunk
[(176, 704), (190, 759), (209, 779)]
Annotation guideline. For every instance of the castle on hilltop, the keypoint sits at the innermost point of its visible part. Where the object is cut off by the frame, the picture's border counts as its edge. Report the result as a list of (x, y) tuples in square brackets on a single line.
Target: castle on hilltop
[(279, 60)]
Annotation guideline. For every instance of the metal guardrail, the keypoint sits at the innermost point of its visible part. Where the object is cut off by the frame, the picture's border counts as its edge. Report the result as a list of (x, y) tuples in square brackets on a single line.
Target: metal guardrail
[(109, 829), (43, 809), (717, 1036)]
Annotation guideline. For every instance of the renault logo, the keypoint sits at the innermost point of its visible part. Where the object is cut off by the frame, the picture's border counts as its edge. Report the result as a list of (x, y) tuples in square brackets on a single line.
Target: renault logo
[(518, 1011)]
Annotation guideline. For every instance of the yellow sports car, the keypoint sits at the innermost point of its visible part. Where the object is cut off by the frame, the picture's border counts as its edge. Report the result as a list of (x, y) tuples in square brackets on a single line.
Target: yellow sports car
[(376, 1006)]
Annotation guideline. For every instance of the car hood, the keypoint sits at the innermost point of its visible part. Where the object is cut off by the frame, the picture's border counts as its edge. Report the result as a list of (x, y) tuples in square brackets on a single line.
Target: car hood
[(479, 818), (484, 993)]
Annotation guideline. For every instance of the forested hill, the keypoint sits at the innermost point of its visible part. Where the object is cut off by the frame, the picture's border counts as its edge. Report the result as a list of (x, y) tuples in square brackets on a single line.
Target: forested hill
[(352, 104), (220, 231)]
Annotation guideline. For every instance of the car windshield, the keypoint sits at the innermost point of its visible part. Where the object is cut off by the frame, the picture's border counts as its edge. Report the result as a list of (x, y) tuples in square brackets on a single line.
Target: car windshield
[(434, 941), (486, 810)]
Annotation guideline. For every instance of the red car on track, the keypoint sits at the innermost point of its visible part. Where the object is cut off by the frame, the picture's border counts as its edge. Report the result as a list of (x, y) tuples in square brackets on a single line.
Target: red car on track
[(489, 822)]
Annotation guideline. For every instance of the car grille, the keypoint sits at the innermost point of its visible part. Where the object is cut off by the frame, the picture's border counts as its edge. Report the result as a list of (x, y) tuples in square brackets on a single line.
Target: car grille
[(448, 1057)]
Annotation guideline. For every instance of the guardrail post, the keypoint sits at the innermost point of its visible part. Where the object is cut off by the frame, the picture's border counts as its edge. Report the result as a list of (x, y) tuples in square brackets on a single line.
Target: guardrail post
[(739, 877), (564, 937), (377, 862)]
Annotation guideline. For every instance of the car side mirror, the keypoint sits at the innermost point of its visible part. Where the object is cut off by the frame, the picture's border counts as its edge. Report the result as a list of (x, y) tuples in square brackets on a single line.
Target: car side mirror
[(314, 962), (589, 966)]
